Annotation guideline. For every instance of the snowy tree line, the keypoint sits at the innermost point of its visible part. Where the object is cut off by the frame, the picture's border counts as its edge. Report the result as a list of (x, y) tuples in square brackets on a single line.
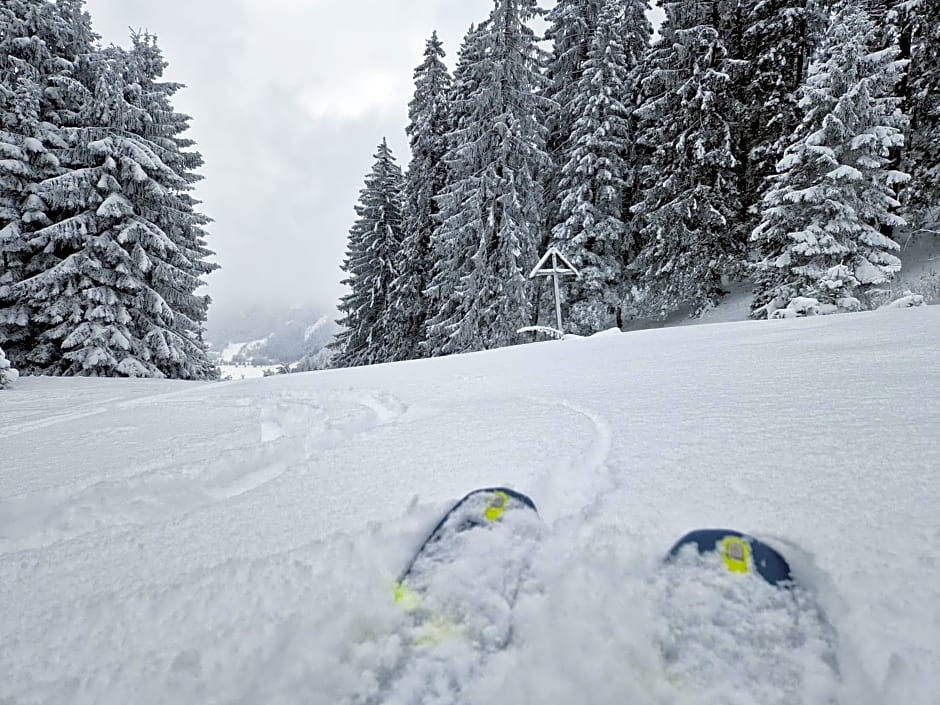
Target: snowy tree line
[(102, 247), (789, 143)]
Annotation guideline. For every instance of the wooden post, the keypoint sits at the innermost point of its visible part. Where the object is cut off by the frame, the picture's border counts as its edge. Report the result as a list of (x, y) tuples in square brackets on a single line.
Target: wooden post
[(557, 294)]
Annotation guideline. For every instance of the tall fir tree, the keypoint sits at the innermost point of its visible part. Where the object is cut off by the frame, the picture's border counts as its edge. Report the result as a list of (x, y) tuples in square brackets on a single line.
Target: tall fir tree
[(108, 292), (41, 44), (571, 25), (371, 266), (104, 250), (636, 30), (821, 232), (491, 206), (689, 201), (177, 215), (922, 153), (449, 261), (593, 179), (637, 33), (429, 121), (777, 40)]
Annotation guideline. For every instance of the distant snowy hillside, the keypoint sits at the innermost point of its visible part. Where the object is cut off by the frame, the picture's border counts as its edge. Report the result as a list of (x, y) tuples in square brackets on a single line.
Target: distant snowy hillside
[(166, 542), (277, 336)]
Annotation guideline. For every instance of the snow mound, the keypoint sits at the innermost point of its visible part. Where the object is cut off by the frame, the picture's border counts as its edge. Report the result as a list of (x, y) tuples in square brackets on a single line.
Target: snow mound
[(8, 375), (909, 300), (799, 306)]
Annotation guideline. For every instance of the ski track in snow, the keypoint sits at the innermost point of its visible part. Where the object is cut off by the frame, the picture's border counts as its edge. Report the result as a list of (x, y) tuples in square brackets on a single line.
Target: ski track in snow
[(236, 543), (576, 482), (292, 431)]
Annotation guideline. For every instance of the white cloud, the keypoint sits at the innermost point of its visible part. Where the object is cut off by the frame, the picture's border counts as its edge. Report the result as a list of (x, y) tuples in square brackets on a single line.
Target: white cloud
[(354, 96)]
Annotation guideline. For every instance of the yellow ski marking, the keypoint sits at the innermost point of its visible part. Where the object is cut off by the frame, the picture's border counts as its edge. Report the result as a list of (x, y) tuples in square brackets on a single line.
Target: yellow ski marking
[(735, 553), (497, 506), (405, 598)]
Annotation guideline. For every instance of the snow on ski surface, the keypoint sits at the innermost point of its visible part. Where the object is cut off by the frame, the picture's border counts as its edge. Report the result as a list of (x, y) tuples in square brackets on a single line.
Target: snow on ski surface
[(166, 542)]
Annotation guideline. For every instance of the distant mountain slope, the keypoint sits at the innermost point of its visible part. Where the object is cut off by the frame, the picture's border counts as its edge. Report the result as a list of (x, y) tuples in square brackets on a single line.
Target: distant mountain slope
[(276, 336)]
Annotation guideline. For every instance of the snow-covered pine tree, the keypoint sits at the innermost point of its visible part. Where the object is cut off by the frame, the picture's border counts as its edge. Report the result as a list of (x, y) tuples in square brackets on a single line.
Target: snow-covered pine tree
[(176, 214), (427, 130), (689, 200), (887, 19), (491, 205), (99, 304), (371, 267), (21, 164), (921, 159), (593, 179), (571, 24), (777, 42), (8, 375), (835, 192), (38, 47), (635, 29), (91, 102), (637, 33), (450, 262)]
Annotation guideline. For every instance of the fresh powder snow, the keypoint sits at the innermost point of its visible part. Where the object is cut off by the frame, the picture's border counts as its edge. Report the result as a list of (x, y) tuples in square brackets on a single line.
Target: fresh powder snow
[(238, 542)]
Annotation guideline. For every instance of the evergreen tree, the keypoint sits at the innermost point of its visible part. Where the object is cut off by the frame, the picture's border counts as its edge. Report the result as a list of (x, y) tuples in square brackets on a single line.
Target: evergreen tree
[(571, 26), (427, 130), (40, 43), (102, 296), (176, 215), (635, 28), (491, 206), (821, 229), (922, 155), (777, 42), (101, 246), (637, 32), (689, 202), (449, 261), (593, 179), (371, 265)]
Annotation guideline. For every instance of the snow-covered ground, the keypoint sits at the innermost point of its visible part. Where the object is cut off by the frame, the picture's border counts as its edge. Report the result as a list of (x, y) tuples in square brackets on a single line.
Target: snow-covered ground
[(230, 372), (165, 542)]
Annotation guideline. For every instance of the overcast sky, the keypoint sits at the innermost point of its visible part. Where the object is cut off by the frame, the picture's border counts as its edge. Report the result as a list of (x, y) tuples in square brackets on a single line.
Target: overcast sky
[(289, 99)]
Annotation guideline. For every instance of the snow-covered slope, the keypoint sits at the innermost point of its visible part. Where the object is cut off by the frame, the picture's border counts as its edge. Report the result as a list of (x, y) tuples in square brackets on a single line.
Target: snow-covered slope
[(168, 542)]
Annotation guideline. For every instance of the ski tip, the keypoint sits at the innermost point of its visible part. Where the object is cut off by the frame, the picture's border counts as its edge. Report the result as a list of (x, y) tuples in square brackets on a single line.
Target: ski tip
[(501, 492), (739, 552), (494, 502)]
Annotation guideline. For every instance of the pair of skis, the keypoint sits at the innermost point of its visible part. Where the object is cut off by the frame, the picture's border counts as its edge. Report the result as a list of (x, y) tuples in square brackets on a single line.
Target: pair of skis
[(735, 617)]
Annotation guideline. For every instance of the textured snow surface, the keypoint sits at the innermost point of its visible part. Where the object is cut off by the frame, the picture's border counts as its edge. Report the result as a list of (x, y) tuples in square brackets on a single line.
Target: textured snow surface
[(237, 542)]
